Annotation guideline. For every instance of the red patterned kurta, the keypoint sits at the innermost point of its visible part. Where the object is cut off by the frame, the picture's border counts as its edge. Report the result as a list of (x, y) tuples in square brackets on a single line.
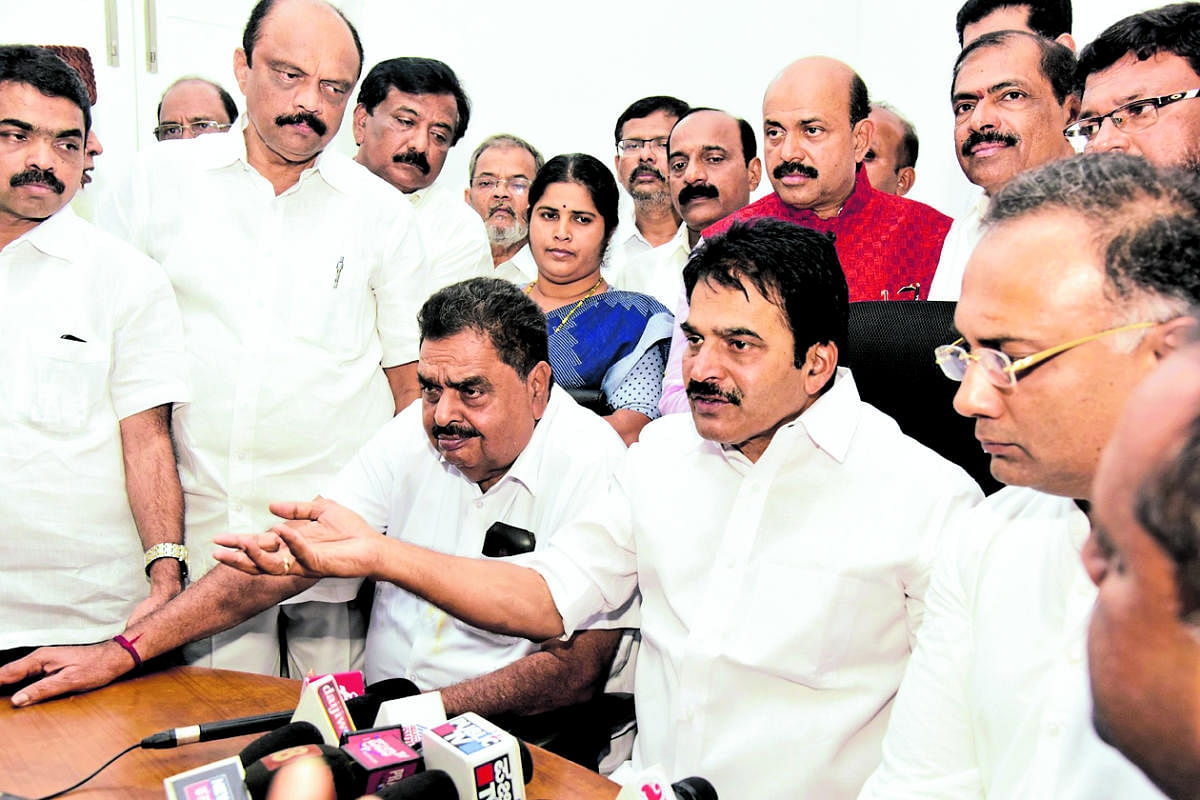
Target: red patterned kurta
[(884, 242)]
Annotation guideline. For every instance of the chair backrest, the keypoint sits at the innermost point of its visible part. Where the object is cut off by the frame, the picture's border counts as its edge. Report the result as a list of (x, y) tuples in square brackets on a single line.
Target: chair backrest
[(890, 350)]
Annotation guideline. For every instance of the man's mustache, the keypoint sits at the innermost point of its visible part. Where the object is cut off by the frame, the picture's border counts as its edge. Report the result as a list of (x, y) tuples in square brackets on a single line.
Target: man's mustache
[(413, 157), (697, 190), (453, 431), (979, 137), (711, 390), (794, 167), (302, 118), (646, 169), (36, 175), (494, 207)]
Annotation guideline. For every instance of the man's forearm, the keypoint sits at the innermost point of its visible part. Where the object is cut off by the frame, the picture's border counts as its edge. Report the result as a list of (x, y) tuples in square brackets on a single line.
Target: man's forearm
[(494, 595), (152, 485), (218, 601), (562, 673), (402, 380)]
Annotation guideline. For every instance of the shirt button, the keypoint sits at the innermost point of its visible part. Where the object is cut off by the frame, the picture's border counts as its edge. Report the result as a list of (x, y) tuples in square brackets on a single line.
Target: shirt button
[(1054, 729), (241, 456), (239, 507)]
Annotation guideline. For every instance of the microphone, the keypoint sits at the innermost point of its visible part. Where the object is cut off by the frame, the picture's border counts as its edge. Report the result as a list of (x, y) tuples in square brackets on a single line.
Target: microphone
[(483, 761), (694, 788), (362, 710), (652, 783), (261, 773), (294, 734)]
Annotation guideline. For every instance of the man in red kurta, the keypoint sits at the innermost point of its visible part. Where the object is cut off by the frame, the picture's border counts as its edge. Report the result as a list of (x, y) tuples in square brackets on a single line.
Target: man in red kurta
[(815, 133)]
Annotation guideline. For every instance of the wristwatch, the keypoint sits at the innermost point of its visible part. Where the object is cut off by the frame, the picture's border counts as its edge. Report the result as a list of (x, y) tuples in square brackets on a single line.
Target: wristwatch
[(168, 550)]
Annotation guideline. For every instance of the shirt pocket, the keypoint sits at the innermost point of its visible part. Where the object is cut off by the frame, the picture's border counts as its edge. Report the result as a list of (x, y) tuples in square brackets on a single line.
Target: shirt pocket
[(329, 305), (798, 623), (66, 382)]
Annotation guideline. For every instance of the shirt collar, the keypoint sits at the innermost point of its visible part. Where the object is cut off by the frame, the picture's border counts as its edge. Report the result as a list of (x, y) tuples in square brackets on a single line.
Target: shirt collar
[(228, 148), (829, 422), (526, 470), (56, 236)]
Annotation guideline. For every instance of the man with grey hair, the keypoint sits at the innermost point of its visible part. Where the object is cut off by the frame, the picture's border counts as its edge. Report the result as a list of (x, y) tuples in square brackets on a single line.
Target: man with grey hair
[(1078, 288), (501, 169)]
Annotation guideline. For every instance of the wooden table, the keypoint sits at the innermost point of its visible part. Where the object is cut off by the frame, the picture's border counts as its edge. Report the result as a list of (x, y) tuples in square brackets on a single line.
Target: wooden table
[(47, 747)]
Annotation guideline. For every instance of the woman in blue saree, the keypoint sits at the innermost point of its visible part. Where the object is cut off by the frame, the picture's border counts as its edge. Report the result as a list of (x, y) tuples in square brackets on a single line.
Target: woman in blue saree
[(601, 338)]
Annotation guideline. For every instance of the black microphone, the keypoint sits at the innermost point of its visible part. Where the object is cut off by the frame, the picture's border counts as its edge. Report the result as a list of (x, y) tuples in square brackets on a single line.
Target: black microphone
[(261, 773), (294, 734), (362, 709), (694, 788)]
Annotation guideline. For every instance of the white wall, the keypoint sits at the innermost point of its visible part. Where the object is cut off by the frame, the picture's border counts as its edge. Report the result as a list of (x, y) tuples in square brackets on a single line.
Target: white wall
[(559, 73)]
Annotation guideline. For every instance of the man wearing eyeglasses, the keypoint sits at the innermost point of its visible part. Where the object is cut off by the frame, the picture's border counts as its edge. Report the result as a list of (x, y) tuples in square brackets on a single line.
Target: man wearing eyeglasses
[(1012, 94), (1078, 288), (501, 169), (193, 106), (410, 112), (641, 166), (1141, 87)]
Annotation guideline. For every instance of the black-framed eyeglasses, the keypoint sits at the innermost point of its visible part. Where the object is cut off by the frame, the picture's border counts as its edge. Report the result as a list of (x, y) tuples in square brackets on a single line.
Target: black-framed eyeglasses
[(1130, 118), (627, 146), (175, 130)]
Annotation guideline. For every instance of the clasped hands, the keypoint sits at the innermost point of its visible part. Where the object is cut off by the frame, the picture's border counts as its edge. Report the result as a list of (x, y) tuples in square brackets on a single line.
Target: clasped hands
[(319, 539)]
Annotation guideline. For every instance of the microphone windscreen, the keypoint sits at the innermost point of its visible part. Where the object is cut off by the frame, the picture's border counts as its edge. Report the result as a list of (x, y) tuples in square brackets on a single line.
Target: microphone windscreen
[(260, 774), (393, 689), (694, 788), (293, 734), (434, 784), (364, 709)]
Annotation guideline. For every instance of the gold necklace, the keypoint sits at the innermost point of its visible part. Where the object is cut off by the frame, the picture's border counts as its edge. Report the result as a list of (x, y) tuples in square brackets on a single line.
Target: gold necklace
[(571, 313)]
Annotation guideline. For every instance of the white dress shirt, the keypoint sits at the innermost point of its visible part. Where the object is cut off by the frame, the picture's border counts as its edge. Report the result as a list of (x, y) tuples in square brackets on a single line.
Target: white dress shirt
[(779, 598), (659, 272), (965, 232), (520, 269), (996, 702), (403, 487), (456, 243), (71, 567), (290, 305)]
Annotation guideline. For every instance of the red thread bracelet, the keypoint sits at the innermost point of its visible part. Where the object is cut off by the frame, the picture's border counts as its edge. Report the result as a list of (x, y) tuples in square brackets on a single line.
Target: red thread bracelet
[(128, 645)]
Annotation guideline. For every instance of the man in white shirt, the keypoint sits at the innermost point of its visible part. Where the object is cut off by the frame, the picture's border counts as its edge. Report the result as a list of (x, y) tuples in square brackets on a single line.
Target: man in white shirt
[(298, 274), (1143, 647), (410, 112), (94, 361), (1013, 93), (491, 461), (1073, 295), (641, 166), (1142, 75), (780, 537), (501, 170)]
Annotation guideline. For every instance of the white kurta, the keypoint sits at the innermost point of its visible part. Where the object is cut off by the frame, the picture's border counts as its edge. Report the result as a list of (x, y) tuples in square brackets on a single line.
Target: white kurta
[(779, 598), (996, 701), (403, 487), (290, 306), (91, 335), (455, 240)]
